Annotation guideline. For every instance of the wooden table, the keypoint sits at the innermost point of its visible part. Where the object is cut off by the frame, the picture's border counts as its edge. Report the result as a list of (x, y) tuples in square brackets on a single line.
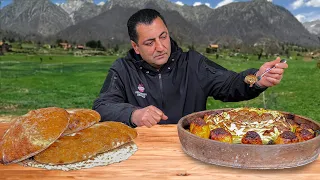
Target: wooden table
[(159, 157)]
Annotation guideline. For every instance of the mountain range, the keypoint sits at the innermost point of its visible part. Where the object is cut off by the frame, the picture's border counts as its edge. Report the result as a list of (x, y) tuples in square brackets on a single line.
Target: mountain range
[(313, 26), (40, 17), (80, 10), (81, 21)]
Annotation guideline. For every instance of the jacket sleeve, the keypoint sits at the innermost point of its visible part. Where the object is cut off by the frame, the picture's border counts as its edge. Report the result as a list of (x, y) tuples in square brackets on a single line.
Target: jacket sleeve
[(225, 85), (112, 102)]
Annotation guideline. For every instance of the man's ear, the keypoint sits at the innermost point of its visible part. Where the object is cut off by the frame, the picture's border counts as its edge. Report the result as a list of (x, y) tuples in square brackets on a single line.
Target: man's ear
[(135, 47)]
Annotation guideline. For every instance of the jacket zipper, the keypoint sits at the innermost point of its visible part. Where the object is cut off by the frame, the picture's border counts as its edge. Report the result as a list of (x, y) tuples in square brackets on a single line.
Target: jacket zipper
[(160, 81)]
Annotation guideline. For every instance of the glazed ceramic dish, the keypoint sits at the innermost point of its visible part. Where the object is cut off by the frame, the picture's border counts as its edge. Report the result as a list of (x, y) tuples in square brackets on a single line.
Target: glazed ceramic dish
[(248, 156)]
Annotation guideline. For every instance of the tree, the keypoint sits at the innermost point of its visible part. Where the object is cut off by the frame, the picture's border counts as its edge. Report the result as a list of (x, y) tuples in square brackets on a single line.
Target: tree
[(191, 47), (99, 45), (39, 44), (208, 50), (95, 45), (287, 52), (11, 40), (91, 44), (116, 48), (59, 41), (260, 54), (283, 47)]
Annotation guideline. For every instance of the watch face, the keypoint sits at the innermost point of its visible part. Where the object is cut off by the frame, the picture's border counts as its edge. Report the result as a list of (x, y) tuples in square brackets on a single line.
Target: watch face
[(250, 79)]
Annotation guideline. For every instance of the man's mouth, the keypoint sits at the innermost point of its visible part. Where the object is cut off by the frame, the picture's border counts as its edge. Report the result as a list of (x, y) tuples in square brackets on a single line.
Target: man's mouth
[(160, 56)]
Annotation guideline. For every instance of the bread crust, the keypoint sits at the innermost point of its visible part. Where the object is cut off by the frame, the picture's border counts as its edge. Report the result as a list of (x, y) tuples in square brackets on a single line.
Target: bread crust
[(87, 143), (81, 119), (32, 133), (1, 155)]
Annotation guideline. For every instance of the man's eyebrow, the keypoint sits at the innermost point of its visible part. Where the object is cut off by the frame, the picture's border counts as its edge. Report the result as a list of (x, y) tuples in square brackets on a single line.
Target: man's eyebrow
[(152, 39), (164, 32)]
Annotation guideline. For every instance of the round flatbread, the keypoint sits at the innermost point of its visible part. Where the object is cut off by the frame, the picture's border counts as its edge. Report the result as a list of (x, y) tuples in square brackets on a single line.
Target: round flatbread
[(87, 143), (113, 156), (32, 133), (81, 119)]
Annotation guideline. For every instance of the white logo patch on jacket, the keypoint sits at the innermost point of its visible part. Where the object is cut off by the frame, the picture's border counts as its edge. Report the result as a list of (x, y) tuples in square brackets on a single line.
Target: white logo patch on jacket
[(141, 91)]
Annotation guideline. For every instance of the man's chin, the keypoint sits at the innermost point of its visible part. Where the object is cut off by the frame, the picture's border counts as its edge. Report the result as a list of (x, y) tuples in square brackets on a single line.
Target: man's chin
[(161, 62), (158, 64)]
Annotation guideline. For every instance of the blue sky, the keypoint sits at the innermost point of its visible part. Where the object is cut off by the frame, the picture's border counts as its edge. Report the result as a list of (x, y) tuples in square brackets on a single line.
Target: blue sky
[(304, 10)]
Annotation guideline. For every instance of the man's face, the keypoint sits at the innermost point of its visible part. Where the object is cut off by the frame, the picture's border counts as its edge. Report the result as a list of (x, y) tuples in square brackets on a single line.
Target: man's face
[(153, 43)]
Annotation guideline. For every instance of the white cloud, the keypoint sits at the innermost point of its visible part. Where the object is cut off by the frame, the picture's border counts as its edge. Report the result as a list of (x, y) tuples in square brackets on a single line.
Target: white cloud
[(58, 4), (224, 2), (301, 17), (297, 4), (269, 0), (197, 3), (313, 3), (307, 17), (101, 3), (207, 4), (179, 3)]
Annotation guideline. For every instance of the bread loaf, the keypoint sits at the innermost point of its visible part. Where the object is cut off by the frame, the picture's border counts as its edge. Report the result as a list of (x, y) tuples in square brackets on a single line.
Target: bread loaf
[(103, 159), (32, 133), (81, 119), (87, 143), (1, 155)]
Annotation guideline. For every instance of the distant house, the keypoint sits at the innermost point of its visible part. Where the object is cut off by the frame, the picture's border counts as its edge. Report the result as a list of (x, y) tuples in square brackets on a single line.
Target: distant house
[(4, 47), (65, 46), (212, 48), (316, 56), (80, 47)]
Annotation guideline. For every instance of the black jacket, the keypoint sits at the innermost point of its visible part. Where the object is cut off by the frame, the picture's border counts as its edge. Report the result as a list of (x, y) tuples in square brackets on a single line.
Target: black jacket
[(181, 87)]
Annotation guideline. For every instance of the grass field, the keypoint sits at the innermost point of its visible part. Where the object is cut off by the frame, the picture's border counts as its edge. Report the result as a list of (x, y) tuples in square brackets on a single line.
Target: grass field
[(27, 82)]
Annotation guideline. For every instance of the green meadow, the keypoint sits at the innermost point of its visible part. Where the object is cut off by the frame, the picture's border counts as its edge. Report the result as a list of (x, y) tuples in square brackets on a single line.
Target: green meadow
[(31, 81)]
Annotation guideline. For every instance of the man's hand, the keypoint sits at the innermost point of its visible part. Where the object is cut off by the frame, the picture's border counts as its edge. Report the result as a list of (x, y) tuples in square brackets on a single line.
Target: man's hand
[(274, 76), (148, 116)]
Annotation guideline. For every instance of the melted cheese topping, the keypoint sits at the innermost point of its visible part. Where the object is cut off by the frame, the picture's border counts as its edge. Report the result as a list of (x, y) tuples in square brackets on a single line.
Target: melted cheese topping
[(241, 127)]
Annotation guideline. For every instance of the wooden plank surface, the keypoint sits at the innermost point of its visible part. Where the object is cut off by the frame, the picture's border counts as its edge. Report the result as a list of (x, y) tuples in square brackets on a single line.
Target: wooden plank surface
[(159, 157)]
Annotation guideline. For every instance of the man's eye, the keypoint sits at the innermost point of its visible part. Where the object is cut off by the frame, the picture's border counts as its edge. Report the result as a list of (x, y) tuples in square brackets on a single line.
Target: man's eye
[(149, 43), (163, 37)]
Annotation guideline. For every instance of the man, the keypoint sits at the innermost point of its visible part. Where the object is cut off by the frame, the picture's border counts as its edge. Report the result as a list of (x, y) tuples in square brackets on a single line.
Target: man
[(157, 83)]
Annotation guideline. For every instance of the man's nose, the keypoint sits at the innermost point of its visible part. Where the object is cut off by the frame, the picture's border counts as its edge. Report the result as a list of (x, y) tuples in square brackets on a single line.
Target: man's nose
[(159, 46)]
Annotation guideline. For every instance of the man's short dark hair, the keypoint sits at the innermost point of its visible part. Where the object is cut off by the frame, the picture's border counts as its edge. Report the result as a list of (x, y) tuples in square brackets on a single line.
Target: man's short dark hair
[(144, 16)]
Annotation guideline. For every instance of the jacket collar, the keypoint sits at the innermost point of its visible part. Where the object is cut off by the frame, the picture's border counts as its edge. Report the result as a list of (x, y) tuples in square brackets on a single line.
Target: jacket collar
[(143, 65)]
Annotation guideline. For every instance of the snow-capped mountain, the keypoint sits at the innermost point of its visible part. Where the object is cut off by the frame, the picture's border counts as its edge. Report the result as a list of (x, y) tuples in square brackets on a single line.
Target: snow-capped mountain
[(79, 10), (313, 26)]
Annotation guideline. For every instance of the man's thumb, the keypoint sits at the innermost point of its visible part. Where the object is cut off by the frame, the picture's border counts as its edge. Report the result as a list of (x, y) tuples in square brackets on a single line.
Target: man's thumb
[(276, 61), (164, 117)]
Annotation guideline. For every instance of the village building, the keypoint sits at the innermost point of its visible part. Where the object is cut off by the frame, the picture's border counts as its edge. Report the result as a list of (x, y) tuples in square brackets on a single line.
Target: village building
[(65, 46), (4, 47), (79, 47), (212, 48)]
